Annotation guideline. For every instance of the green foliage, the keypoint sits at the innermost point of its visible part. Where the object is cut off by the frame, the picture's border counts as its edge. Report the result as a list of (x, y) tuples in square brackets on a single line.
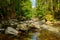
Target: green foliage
[(23, 8), (3, 6), (28, 15), (48, 17), (44, 6), (33, 12), (40, 8), (57, 15), (4, 3), (20, 7)]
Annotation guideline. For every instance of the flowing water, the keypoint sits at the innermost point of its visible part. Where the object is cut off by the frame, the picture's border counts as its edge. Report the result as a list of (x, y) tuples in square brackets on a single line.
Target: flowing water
[(47, 32), (35, 36)]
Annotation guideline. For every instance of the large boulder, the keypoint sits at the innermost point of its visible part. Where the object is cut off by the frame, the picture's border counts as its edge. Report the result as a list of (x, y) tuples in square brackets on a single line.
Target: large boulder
[(22, 26), (36, 25), (11, 30), (27, 24)]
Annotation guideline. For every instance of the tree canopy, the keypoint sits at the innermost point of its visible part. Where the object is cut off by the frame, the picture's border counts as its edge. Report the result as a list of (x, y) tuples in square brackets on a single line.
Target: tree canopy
[(23, 8)]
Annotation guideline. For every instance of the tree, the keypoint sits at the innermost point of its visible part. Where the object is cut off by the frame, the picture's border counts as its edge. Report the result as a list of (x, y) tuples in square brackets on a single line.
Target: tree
[(45, 7), (41, 9), (24, 9), (14, 8)]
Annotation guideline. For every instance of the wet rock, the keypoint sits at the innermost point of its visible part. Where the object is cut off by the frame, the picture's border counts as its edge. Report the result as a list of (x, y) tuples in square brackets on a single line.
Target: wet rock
[(11, 30), (5, 22), (49, 23), (27, 24), (13, 21), (36, 25), (57, 23), (22, 27)]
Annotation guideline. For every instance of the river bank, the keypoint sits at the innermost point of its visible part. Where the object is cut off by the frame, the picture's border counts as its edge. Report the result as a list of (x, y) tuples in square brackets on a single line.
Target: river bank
[(29, 28)]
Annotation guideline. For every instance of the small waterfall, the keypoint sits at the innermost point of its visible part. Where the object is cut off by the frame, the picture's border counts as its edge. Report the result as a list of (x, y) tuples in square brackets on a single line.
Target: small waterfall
[(35, 36)]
